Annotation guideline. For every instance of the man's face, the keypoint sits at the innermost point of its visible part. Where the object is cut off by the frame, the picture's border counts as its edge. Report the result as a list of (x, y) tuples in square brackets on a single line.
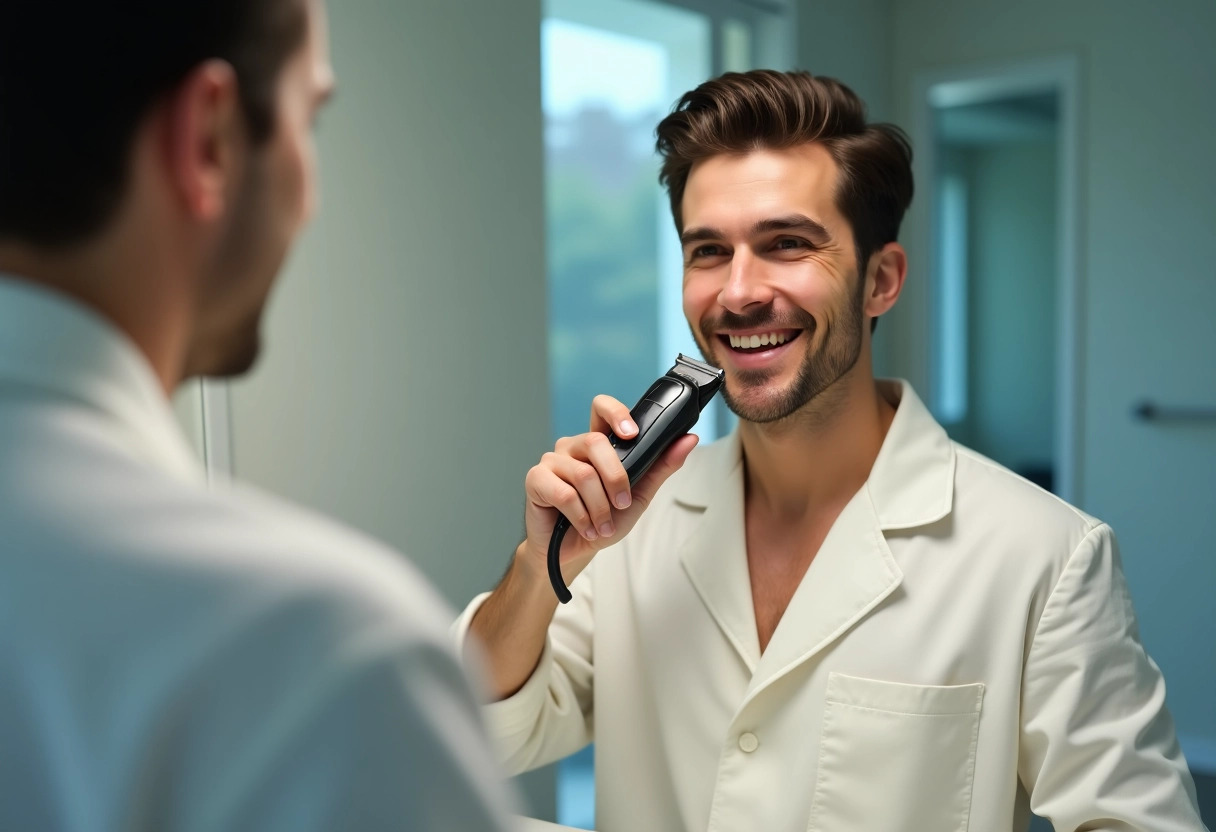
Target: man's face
[(769, 260), (274, 198)]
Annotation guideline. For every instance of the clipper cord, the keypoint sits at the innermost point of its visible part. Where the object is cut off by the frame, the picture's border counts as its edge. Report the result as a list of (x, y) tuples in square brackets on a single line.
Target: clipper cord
[(555, 562)]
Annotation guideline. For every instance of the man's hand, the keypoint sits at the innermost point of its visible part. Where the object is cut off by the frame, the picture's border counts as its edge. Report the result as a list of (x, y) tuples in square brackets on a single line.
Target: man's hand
[(583, 479)]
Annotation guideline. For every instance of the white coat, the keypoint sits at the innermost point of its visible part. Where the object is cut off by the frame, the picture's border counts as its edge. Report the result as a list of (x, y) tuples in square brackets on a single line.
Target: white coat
[(177, 659), (962, 650)]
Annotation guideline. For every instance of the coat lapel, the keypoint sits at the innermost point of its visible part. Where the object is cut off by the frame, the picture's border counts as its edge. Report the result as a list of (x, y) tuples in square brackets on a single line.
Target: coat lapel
[(852, 574), (715, 555)]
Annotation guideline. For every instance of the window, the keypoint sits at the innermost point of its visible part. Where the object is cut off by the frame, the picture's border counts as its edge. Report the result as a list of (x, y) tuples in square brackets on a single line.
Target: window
[(611, 70)]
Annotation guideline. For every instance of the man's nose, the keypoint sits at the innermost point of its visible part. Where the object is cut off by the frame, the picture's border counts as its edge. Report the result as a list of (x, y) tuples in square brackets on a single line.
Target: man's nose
[(745, 283)]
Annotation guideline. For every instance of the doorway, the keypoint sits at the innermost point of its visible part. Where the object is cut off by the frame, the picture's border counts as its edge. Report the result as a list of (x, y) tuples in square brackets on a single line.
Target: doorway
[(998, 154)]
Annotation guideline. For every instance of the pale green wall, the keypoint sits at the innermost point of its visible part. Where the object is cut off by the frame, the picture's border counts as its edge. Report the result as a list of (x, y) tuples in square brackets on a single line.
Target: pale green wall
[(849, 40), (404, 386)]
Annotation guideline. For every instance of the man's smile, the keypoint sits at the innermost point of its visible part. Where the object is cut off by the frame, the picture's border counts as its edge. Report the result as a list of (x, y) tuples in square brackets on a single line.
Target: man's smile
[(755, 348)]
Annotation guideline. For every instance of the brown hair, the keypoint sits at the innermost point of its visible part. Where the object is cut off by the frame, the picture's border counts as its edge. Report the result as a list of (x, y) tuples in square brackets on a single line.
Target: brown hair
[(765, 109)]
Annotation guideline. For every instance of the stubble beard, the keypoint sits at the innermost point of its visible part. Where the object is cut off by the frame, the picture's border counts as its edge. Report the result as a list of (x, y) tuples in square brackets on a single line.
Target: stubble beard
[(819, 372)]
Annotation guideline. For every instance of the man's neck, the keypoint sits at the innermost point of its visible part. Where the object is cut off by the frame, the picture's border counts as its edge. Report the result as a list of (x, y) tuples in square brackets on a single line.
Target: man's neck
[(124, 292), (818, 458)]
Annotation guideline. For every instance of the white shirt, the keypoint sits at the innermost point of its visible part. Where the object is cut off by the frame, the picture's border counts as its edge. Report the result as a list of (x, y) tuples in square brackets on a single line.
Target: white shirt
[(179, 659), (962, 649)]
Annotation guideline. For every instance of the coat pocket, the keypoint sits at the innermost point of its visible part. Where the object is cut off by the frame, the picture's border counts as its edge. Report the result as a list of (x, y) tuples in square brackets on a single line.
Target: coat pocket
[(895, 757)]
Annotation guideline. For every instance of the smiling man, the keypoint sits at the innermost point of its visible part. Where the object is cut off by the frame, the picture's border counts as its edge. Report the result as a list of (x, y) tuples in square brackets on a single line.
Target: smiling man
[(835, 618)]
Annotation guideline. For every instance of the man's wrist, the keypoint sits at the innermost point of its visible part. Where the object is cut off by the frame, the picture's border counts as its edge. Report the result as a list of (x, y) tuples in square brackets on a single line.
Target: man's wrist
[(531, 577)]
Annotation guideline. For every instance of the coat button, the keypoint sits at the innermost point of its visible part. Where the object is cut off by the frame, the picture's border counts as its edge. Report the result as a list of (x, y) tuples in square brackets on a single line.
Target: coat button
[(748, 742)]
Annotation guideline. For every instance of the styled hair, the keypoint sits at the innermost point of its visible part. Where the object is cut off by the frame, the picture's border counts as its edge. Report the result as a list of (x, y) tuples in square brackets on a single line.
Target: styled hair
[(78, 77), (767, 110)]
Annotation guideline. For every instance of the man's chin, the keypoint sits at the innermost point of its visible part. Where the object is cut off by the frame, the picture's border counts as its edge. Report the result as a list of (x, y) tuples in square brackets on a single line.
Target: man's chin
[(761, 402), (239, 364), (229, 360)]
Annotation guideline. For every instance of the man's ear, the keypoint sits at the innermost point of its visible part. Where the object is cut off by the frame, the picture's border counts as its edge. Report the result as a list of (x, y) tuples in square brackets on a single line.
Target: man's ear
[(203, 136), (888, 267)]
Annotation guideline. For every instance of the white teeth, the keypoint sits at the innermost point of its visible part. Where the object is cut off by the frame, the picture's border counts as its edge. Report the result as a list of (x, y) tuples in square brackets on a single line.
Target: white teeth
[(743, 342)]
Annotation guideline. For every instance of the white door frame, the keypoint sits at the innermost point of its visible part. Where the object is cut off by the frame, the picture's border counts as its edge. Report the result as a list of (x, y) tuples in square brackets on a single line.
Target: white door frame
[(217, 430), (1060, 74)]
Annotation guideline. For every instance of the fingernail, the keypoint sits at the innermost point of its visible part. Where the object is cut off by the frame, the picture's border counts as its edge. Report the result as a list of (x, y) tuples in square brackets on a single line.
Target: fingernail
[(606, 530), (590, 534), (622, 500), (627, 427)]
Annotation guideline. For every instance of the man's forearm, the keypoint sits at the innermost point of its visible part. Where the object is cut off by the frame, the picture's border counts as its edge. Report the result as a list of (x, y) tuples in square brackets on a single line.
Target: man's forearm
[(512, 624)]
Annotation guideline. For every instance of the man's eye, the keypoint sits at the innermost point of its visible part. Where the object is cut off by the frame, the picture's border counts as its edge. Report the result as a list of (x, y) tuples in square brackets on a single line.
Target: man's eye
[(790, 244), (707, 251)]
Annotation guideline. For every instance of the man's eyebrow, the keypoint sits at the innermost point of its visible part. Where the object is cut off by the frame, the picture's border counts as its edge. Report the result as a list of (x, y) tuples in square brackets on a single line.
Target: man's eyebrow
[(696, 235), (794, 222)]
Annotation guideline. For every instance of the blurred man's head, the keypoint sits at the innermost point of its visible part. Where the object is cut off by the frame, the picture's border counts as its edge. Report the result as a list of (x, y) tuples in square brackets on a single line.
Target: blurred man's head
[(788, 204), (171, 139)]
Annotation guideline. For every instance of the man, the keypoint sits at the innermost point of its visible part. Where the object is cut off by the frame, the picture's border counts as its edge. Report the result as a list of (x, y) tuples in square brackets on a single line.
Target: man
[(836, 618), (173, 658)]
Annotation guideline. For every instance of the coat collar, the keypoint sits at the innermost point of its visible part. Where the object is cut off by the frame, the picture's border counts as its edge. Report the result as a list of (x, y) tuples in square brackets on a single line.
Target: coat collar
[(51, 343), (910, 485)]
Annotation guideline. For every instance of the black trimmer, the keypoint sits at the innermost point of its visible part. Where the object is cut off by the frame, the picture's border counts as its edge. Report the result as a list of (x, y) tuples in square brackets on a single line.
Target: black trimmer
[(667, 411)]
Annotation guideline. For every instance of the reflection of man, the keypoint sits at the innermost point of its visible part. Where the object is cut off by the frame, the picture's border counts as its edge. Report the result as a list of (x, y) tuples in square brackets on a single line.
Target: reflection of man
[(173, 658), (835, 618)]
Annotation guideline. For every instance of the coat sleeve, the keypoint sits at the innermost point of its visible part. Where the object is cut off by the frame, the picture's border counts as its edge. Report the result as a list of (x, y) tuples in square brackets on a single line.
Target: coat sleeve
[(1098, 747), (551, 716)]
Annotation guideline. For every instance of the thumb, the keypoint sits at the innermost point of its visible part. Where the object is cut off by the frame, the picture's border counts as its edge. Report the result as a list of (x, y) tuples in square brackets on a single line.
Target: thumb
[(671, 461)]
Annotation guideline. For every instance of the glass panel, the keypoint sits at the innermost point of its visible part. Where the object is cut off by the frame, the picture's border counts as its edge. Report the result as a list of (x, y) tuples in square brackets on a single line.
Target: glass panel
[(951, 349), (605, 88), (188, 407)]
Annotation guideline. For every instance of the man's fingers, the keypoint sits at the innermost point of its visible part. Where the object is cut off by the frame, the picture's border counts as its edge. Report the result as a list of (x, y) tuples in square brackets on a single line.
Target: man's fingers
[(546, 490), (666, 465), (615, 481), (608, 415), (589, 501)]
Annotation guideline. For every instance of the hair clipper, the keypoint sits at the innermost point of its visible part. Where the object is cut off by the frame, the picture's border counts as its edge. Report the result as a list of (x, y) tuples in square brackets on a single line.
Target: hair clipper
[(667, 411)]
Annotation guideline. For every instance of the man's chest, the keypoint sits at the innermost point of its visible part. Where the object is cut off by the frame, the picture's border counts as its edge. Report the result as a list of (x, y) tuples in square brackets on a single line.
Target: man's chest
[(778, 558)]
